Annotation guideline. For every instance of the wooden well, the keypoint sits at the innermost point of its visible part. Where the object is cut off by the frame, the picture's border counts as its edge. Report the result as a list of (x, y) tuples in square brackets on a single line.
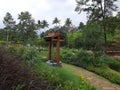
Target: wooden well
[(54, 38)]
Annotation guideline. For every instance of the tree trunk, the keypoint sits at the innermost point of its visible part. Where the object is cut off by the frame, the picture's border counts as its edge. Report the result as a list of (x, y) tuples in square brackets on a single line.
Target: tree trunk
[(7, 37), (105, 36), (104, 26)]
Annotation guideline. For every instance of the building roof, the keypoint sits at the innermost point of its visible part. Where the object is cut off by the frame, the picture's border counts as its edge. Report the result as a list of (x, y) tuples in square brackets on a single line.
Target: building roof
[(54, 36)]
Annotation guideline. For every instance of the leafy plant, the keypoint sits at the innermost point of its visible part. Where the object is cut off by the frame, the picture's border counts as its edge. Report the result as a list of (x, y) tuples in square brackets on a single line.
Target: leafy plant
[(12, 49), (95, 62), (30, 54), (62, 78), (112, 63), (2, 43), (81, 57), (19, 87), (92, 37), (107, 73)]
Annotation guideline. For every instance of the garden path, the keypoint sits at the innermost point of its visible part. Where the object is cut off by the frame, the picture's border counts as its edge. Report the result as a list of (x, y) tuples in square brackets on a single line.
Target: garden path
[(99, 82)]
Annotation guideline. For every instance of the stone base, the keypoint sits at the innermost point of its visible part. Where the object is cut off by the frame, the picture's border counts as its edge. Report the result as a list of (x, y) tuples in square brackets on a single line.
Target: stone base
[(53, 63)]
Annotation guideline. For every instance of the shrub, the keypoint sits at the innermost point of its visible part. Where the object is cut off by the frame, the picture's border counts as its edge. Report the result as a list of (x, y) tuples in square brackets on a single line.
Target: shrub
[(30, 54), (85, 58), (68, 55), (68, 85), (2, 43), (60, 77), (97, 63), (81, 58), (12, 49), (112, 63), (92, 37), (15, 76), (115, 65), (107, 73)]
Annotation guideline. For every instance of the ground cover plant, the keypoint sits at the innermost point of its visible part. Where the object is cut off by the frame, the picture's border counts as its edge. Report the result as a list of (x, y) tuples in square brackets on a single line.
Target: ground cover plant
[(20, 75), (15, 75), (97, 63), (62, 78), (22, 56)]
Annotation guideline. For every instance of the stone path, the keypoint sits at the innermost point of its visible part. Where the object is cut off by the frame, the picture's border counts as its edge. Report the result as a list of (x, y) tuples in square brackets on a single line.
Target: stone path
[(99, 82)]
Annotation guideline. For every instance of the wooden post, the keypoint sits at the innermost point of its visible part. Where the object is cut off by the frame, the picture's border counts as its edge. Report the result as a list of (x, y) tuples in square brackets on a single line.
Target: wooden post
[(54, 38), (58, 51), (50, 51)]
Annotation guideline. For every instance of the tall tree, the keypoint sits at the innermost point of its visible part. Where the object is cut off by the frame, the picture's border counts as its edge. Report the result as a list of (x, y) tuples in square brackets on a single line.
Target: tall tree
[(118, 18), (44, 24), (2, 35), (81, 25), (39, 24), (56, 21), (68, 25), (118, 15), (111, 24), (97, 10), (68, 22), (9, 25), (26, 27)]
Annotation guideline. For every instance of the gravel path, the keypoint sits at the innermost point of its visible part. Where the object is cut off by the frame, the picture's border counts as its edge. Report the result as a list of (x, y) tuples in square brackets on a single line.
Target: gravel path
[(99, 82)]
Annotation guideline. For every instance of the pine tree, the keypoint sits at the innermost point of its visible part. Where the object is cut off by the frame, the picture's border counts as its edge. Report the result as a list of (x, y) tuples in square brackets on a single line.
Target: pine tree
[(9, 25)]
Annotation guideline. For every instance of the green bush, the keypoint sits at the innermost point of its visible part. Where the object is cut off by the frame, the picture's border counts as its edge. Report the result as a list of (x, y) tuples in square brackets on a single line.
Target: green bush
[(85, 58), (2, 43), (30, 54), (81, 58), (55, 77), (112, 63), (68, 56), (68, 85), (12, 49), (62, 78), (92, 37), (27, 53), (14, 75), (107, 73), (95, 62)]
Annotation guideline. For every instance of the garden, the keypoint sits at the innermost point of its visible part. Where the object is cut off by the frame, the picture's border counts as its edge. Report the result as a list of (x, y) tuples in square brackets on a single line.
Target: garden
[(86, 56), (25, 68)]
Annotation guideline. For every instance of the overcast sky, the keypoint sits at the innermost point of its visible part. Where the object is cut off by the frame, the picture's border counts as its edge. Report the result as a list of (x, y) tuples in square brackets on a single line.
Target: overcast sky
[(43, 9)]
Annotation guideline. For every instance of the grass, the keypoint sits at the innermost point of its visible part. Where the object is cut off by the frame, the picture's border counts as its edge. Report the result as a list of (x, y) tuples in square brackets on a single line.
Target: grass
[(112, 63), (62, 78), (113, 38), (107, 73), (103, 65), (16, 75), (56, 78)]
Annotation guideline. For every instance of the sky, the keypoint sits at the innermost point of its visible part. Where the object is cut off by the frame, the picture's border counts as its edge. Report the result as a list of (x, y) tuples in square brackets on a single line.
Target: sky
[(43, 10)]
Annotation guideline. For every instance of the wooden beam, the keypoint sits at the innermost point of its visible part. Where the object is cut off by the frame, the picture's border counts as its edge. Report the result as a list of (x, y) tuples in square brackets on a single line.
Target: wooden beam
[(58, 52), (55, 40), (50, 51)]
